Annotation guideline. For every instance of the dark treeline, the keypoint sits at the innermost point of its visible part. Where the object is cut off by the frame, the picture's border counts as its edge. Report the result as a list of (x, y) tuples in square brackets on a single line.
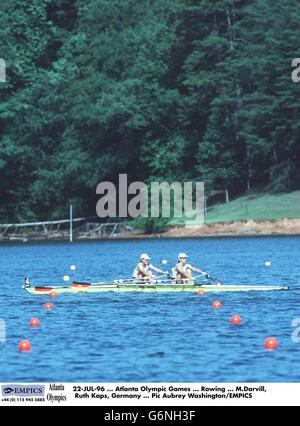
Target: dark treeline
[(173, 89)]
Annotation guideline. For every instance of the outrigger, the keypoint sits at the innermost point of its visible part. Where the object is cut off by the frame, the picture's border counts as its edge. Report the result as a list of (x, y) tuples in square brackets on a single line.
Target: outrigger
[(163, 286)]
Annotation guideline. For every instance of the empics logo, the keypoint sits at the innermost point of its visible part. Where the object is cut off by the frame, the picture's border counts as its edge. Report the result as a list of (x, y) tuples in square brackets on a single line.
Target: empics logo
[(23, 390), (7, 391), (2, 71)]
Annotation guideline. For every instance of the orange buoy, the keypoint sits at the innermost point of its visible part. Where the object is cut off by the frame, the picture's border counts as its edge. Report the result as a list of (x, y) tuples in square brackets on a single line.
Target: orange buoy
[(49, 306), (201, 292), (217, 305), (271, 344), (35, 323), (53, 295), (236, 320), (24, 346)]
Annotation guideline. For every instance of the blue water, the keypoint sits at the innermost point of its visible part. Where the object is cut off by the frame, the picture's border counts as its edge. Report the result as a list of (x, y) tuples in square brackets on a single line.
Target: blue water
[(151, 337)]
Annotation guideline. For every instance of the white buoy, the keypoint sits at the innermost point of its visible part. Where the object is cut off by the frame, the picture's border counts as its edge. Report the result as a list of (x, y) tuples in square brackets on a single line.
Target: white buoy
[(66, 278), (73, 267)]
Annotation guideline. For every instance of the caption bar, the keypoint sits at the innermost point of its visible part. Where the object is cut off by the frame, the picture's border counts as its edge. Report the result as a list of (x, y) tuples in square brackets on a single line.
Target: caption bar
[(150, 394)]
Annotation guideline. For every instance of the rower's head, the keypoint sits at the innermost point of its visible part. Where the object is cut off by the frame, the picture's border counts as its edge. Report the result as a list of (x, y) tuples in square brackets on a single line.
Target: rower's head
[(182, 257), (145, 258)]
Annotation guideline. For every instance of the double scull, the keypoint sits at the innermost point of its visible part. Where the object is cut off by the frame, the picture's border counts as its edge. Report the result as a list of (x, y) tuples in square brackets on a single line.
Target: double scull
[(155, 287)]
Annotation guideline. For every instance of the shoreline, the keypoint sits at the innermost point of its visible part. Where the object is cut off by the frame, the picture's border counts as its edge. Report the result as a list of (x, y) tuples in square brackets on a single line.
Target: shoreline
[(251, 228)]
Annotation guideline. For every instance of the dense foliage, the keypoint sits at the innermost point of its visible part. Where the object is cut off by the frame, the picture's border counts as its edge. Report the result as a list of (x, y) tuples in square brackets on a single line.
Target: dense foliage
[(173, 89)]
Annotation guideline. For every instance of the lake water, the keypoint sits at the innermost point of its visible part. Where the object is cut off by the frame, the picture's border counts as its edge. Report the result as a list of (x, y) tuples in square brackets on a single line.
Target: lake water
[(151, 337)]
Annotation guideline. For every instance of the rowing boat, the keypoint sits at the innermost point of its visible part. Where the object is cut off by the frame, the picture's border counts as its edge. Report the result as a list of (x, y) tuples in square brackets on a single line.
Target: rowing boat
[(77, 288)]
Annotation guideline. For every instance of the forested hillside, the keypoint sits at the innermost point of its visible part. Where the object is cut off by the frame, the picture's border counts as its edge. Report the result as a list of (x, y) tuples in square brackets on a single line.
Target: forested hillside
[(173, 89)]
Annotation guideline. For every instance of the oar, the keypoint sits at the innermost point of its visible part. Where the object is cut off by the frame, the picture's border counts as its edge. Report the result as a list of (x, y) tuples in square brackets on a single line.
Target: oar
[(114, 282), (135, 283), (209, 277), (167, 274), (130, 281)]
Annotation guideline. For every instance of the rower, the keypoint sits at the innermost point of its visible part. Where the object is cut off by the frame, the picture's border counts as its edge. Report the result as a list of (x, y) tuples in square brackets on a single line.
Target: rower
[(142, 271), (183, 270)]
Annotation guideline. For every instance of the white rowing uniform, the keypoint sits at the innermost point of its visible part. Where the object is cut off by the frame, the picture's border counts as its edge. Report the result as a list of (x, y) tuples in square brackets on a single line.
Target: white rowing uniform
[(186, 268), (137, 274)]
